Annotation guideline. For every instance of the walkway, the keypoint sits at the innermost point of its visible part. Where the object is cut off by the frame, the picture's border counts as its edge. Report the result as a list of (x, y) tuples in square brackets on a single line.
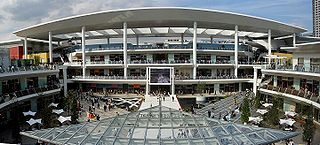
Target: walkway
[(151, 101)]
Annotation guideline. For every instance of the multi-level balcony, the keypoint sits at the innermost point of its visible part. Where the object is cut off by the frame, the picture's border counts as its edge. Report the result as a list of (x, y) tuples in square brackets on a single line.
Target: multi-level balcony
[(167, 47), (27, 70), (21, 95), (297, 95), (313, 71)]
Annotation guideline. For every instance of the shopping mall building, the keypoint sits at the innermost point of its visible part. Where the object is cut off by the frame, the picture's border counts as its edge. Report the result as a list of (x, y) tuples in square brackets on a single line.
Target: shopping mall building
[(147, 51)]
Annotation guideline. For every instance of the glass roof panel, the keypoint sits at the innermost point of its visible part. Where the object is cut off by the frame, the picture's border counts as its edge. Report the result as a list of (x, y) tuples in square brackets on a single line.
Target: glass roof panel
[(174, 127), (242, 140), (227, 140)]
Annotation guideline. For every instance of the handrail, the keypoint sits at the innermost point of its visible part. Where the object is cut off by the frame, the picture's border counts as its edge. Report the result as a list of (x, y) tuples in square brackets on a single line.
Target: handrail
[(17, 94), (14, 69)]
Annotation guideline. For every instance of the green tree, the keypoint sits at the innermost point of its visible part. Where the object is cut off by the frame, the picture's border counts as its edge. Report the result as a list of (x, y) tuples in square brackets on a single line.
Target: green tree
[(257, 100), (46, 115), (245, 110), (200, 87), (308, 127), (74, 109), (274, 114)]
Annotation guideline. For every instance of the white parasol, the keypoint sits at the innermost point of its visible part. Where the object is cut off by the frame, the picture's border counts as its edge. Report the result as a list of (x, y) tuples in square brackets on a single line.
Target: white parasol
[(29, 113), (57, 111)]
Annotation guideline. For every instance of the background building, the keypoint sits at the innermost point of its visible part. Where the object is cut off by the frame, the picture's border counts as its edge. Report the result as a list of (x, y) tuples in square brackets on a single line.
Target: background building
[(316, 18)]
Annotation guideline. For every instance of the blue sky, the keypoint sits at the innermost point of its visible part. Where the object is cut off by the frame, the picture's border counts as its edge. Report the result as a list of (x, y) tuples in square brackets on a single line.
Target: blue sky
[(17, 14)]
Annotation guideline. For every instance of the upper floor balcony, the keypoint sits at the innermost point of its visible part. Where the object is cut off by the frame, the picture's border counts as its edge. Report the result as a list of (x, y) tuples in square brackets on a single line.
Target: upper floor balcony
[(150, 47), (312, 71), (27, 70), (297, 95), (21, 95)]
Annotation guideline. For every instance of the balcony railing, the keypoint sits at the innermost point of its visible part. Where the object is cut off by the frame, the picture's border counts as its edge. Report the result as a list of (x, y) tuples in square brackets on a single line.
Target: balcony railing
[(111, 77), (300, 93), (215, 62), (179, 77), (297, 68), (17, 94), (14, 69), (200, 46), (159, 62)]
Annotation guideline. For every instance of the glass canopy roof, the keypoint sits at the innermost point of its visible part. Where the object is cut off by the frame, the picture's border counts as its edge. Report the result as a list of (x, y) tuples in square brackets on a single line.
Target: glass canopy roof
[(159, 125)]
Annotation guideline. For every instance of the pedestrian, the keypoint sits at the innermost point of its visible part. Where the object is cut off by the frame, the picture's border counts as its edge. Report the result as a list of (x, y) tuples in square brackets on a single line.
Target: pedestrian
[(172, 99), (105, 108), (209, 113)]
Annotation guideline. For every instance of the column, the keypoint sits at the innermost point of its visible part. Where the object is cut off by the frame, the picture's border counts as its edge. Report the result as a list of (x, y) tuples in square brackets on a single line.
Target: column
[(106, 58), (25, 48), (147, 82), (240, 87), (269, 46), (213, 58), (296, 83), (65, 83), (194, 50), (216, 89), (149, 57), (172, 82), (83, 46), (34, 105), (255, 78), (42, 81), (50, 47), (23, 83), (294, 39), (182, 38), (275, 81), (125, 67), (108, 40), (307, 63), (236, 45), (171, 58), (137, 40)]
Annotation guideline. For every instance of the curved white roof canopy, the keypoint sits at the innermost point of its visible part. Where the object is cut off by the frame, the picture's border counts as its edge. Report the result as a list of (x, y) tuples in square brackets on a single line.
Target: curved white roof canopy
[(151, 20)]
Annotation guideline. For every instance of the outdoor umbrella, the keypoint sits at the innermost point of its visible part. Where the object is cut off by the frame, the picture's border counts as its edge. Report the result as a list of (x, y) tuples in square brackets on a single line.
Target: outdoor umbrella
[(290, 113), (267, 104), (262, 111), (33, 121), (63, 119), (29, 113), (287, 121), (54, 104), (57, 111)]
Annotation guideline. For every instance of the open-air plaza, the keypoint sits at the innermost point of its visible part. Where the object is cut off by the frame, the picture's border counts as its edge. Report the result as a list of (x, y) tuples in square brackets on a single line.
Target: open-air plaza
[(159, 75)]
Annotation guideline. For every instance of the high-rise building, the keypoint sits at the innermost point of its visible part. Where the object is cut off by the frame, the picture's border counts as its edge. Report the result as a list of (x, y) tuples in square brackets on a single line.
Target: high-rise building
[(316, 17)]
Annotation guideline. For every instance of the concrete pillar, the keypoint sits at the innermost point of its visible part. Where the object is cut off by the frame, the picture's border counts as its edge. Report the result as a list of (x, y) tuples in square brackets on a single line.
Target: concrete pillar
[(34, 105), (255, 78), (137, 40), (240, 86), (65, 81), (307, 64), (23, 83), (294, 39), (106, 71), (194, 50), (172, 82), (149, 57), (170, 57), (125, 68), (275, 81), (213, 58), (296, 83), (42, 81), (147, 82), (216, 88), (236, 47), (83, 46), (50, 47), (25, 48), (269, 46), (182, 38), (108, 40)]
